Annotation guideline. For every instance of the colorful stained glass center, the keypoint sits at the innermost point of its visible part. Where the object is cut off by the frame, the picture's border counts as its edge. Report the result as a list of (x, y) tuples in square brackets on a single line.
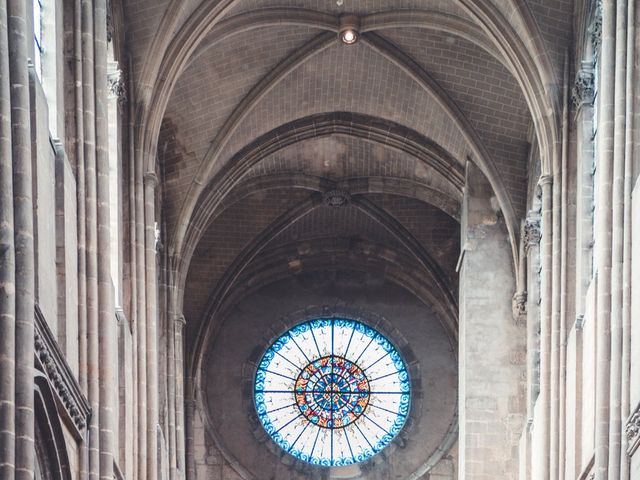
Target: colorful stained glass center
[(332, 392)]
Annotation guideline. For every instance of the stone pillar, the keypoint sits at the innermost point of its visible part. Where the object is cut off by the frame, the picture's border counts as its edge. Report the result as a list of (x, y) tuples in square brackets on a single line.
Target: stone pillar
[(617, 205), (491, 345), (150, 183), (603, 237), (18, 41), (7, 271), (171, 329), (91, 239), (190, 418), (141, 315), (107, 331), (543, 421)]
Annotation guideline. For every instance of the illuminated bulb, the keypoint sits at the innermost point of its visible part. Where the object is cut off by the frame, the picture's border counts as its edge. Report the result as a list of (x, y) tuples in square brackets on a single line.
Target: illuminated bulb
[(349, 37), (349, 29)]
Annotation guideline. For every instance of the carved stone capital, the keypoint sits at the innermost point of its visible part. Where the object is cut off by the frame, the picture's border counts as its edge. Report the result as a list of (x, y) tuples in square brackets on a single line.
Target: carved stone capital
[(532, 232), (117, 85), (583, 92), (180, 322), (336, 198), (519, 307)]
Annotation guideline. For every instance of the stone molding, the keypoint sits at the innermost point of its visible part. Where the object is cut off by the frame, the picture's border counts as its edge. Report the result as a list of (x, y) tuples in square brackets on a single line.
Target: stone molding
[(632, 431), (72, 404), (583, 92)]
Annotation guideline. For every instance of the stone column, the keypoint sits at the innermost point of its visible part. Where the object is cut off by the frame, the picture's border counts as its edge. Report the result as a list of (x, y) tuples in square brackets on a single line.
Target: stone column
[(106, 311), (7, 271), (631, 69), (603, 237), (91, 239), (171, 327), (150, 183), (491, 345), (141, 315), (18, 43), (554, 357), (617, 205), (546, 311), (190, 418)]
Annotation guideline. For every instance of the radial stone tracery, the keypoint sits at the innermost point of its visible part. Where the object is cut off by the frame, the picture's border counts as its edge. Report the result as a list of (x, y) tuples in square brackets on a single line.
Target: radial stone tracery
[(332, 392)]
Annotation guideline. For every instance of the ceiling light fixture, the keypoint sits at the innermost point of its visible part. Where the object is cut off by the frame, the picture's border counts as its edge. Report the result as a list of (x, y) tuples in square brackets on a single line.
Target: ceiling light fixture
[(349, 29)]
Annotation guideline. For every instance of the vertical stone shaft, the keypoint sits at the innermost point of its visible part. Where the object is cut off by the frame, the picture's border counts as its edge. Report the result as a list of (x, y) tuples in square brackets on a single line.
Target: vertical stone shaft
[(93, 344), (554, 361), (171, 380), (142, 323), (617, 205), (108, 333), (190, 416), (545, 324), (563, 271), (133, 307), (7, 269), (80, 197), (603, 238), (150, 182), (81, 219), (625, 405), (179, 371), (18, 37)]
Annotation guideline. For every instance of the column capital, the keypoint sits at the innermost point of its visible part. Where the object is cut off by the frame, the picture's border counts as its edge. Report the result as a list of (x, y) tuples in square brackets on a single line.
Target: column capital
[(180, 321), (532, 232), (150, 179), (545, 180), (583, 91)]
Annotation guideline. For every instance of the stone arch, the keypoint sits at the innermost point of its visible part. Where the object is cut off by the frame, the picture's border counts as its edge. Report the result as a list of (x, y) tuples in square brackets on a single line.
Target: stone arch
[(50, 445), (257, 278), (373, 129)]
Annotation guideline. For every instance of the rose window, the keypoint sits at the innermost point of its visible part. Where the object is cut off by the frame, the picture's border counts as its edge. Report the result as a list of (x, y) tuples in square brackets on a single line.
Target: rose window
[(332, 392)]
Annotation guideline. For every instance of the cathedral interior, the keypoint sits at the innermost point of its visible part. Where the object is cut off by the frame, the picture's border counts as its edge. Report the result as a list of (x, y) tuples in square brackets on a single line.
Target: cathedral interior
[(319, 239)]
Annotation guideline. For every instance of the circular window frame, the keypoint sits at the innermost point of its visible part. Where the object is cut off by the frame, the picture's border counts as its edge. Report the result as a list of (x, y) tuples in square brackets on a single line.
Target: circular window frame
[(367, 318)]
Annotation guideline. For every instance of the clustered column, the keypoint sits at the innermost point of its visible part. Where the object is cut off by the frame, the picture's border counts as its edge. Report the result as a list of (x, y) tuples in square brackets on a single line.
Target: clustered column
[(16, 248)]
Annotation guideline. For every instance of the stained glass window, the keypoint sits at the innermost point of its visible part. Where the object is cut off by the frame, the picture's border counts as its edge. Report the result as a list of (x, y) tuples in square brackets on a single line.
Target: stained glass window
[(332, 392)]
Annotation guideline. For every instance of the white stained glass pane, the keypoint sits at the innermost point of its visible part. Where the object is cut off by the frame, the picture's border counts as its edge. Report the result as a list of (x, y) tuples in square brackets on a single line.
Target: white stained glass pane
[(332, 392)]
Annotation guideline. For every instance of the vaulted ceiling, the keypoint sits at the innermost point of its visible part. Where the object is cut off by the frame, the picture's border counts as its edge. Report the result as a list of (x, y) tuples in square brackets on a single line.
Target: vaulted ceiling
[(261, 121)]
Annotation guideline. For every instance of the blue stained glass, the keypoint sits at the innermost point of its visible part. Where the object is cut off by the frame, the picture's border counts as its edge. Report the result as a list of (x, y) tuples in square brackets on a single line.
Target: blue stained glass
[(332, 392)]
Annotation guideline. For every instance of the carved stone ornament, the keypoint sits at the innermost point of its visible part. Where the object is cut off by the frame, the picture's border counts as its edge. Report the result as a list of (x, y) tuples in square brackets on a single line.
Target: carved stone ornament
[(336, 198), (583, 92), (74, 407), (632, 432), (532, 232), (519, 307), (117, 85)]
